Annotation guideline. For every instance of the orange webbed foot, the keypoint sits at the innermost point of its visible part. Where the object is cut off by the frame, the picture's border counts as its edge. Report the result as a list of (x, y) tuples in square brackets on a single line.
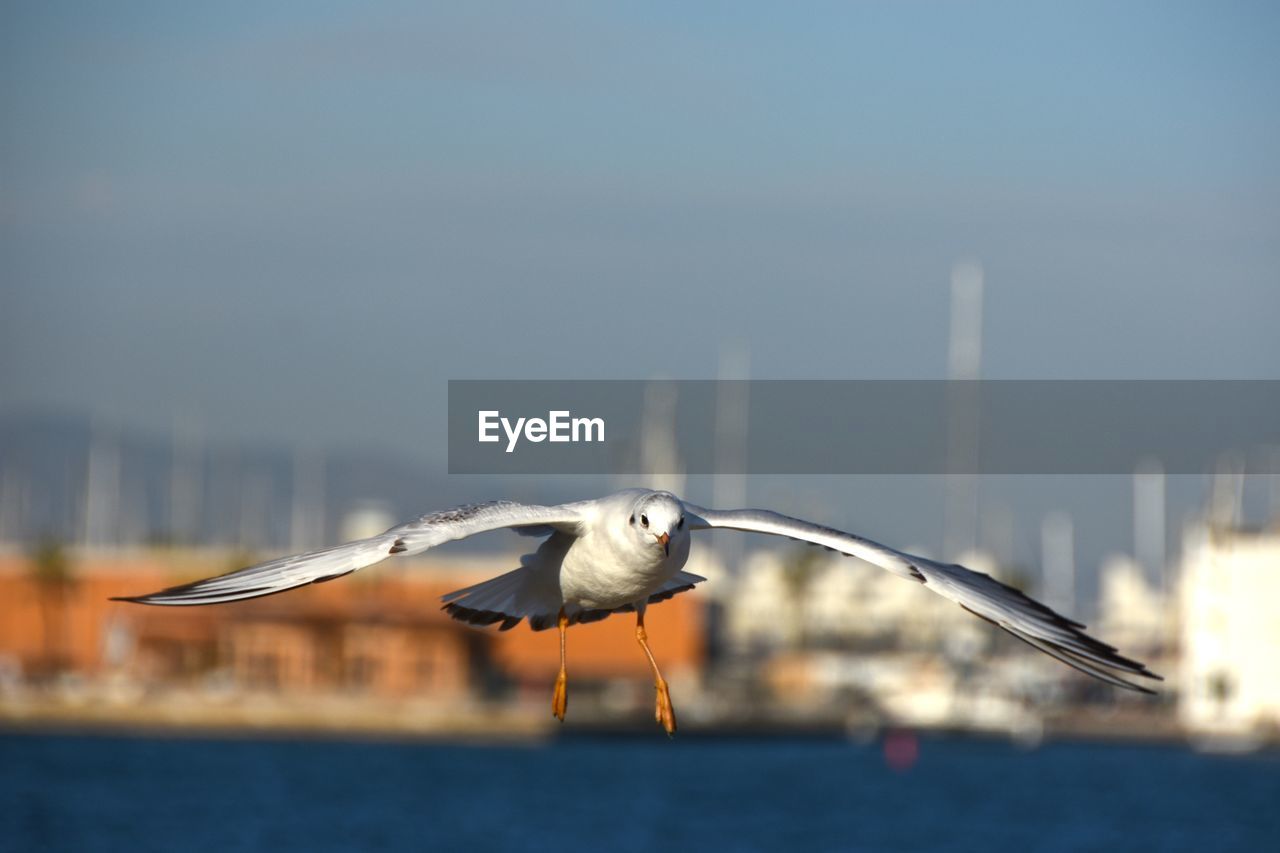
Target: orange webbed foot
[(663, 712), (560, 699)]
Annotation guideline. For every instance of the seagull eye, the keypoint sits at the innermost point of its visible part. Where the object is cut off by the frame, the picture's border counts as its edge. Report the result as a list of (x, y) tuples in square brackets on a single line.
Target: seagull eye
[(644, 520)]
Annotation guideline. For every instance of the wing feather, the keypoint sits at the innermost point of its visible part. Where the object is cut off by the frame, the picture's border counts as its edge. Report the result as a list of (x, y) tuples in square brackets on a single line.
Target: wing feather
[(327, 564), (980, 594)]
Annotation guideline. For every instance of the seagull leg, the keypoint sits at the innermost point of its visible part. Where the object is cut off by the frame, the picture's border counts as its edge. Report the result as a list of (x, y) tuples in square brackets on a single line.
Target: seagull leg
[(560, 700), (663, 712)]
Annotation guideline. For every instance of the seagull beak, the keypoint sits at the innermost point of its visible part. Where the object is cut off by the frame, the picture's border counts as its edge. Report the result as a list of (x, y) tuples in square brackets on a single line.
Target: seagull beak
[(665, 539)]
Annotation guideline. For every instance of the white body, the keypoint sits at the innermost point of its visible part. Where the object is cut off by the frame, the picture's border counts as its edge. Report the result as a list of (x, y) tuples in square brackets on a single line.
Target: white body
[(603, 570), (610, 563)]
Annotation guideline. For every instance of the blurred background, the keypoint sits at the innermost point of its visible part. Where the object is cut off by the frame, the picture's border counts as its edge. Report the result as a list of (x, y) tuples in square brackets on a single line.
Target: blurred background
[(245, 246)]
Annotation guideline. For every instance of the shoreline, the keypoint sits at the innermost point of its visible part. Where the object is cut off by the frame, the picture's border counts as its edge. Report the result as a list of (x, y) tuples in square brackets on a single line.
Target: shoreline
[(336, 718)]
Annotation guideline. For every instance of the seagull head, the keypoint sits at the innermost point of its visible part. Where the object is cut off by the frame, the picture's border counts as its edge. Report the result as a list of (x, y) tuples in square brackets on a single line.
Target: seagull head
[(659, 517)]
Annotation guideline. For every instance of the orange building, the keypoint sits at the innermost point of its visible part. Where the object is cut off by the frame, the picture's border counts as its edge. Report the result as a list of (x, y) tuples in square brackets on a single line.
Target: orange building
[(379, 632)]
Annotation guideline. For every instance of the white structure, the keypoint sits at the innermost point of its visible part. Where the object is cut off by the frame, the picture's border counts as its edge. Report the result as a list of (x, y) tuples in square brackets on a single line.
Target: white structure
[(847, 599), (964, 363), (660, 466), (1058, 559), (1134, 615), (1149, 512), (843, 600), (763, 610), (367, 518), (1230, 632)]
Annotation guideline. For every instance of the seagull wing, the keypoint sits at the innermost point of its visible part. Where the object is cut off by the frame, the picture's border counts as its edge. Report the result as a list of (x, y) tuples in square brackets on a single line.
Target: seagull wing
[(980, 594), (330, 563)]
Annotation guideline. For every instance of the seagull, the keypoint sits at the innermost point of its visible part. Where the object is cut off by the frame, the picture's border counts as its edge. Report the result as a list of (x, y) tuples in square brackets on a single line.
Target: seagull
[(623, 552)]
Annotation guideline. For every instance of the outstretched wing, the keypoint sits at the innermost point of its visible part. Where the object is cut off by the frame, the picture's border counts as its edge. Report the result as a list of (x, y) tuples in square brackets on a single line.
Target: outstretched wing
[(330, 563), (980, 594)]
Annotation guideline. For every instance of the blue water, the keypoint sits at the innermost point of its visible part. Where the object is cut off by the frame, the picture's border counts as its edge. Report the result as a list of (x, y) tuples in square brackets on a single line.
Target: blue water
[(120, 793)]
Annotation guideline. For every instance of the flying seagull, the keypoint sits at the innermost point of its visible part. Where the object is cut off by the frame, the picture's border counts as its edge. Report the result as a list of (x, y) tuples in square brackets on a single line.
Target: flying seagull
[(623, 552)]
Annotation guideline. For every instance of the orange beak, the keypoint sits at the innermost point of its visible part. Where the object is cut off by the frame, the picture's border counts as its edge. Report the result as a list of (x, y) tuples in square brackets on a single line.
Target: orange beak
[(665, 539)]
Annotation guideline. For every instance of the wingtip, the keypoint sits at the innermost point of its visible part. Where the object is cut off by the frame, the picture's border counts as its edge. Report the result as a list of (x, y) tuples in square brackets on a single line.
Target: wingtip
[(1140, 688), (138, 599)]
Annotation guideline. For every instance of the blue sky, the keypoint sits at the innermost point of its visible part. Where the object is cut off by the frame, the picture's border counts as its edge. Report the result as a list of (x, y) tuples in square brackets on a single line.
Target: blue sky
[(276, 218)]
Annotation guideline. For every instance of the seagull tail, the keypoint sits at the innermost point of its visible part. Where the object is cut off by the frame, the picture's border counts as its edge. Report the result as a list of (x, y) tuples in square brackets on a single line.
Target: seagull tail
[(510, 598), (492, 601)]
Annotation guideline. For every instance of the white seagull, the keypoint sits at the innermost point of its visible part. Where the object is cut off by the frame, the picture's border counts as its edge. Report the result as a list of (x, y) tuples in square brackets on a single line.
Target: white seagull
[(623, 552)]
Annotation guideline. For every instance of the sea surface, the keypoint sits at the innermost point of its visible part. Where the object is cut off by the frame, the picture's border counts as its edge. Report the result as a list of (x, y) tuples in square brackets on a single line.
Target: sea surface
[(91, 793)]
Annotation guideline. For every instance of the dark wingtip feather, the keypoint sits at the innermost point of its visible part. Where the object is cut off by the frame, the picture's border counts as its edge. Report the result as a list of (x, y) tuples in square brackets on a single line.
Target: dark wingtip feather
[(1101, 657), (333, 577), (195, 594), (481, 618), (668, 593)]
